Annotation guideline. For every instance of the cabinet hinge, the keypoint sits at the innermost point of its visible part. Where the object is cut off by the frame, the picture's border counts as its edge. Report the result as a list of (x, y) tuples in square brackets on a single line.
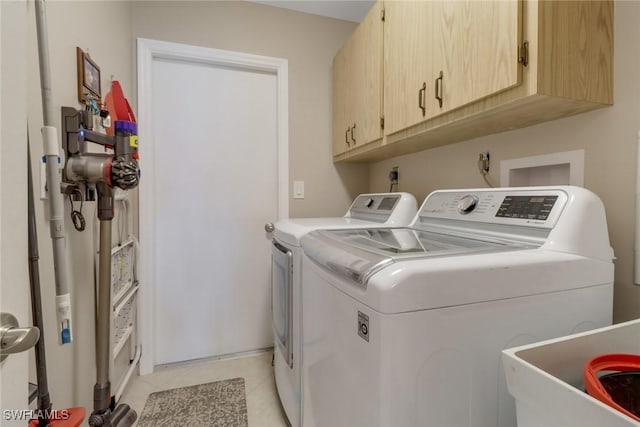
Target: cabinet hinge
[(382, 122), (523, 54), (382, 14)]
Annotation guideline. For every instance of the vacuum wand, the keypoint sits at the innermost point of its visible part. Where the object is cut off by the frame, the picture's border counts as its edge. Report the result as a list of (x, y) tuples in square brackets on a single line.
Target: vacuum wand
[(102, 388)]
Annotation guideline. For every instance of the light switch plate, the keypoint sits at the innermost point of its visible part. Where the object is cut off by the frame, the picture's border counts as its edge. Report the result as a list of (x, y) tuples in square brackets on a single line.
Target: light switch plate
[(298, 189)]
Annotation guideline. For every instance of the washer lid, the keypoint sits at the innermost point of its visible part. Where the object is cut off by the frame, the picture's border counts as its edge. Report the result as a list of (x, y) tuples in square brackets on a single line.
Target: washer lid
[(366, 211), (290, 231), (360, 253)]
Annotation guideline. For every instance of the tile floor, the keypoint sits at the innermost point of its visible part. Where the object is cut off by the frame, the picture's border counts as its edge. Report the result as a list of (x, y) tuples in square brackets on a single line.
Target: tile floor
[(263, 404)]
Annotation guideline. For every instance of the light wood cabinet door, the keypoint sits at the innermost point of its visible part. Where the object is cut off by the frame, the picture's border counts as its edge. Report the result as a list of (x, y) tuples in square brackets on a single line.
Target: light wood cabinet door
[(366, 64), (408, 58), (475, 50), (341, 93), (357, 86)]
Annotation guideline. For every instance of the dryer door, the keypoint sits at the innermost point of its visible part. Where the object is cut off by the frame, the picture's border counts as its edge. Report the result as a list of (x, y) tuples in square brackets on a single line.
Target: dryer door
[(282, 301)]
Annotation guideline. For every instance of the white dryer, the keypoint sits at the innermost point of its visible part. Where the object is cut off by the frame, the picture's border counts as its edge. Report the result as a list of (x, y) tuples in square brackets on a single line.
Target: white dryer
[(367, 210), (405, 326)]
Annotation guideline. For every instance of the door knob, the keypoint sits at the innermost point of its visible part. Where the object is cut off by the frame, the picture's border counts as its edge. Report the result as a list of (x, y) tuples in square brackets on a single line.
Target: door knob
[(269, 227), (14, 339)]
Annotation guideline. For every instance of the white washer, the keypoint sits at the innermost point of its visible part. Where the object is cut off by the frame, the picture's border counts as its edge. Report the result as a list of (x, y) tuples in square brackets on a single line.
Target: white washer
[(405, 326), (367, 210)]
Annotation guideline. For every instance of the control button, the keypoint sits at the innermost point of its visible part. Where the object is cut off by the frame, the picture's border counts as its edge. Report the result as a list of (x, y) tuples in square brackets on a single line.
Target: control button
[(364, 329), (363, 326), (369, 202), (467, 204)]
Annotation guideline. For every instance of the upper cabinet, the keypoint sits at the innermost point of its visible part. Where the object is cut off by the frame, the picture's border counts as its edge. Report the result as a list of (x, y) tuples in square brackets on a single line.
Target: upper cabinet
[(442, 55), (408, 59), (474, 51), (455, 70), (357, 86)]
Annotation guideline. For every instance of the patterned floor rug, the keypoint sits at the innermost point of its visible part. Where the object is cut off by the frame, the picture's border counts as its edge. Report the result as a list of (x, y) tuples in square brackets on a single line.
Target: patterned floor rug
[(217, 404)]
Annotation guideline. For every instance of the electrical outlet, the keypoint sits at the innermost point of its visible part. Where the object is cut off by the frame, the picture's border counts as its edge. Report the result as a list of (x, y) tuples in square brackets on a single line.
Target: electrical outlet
[(483, 162), (394, 175)]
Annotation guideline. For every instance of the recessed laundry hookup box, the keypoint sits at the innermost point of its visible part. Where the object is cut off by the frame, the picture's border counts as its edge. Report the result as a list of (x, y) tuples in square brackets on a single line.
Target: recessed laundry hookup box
[(546, 378)]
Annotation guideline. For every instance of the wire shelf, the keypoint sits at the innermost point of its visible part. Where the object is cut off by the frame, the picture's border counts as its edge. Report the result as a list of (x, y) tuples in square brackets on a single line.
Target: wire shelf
[(124, 317), (122, 274)]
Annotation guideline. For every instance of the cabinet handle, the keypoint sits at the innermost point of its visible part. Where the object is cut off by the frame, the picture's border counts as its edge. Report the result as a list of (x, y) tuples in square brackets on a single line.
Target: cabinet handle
[(421, 98), (438, 89), (346, 137), (353, 138)]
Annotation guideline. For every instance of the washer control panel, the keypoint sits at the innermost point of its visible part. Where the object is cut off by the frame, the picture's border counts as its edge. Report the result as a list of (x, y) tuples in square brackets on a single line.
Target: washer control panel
[(529, 207)]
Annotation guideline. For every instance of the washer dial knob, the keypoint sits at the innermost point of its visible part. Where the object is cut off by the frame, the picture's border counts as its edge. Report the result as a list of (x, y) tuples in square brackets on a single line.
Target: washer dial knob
[(467, 204)]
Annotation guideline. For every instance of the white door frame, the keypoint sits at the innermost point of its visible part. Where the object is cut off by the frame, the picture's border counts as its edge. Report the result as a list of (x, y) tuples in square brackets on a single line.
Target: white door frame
[(148, 51)]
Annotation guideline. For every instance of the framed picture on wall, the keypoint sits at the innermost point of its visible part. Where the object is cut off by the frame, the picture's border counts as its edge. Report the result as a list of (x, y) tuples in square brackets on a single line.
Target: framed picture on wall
[(88, 77)]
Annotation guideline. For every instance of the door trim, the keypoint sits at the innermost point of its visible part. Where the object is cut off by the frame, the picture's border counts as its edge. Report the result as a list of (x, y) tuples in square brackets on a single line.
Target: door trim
[(148, 51)]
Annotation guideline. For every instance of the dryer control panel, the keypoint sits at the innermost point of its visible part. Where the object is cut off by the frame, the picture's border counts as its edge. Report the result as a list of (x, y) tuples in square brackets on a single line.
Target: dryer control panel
[(373, 202), (532, 207), (391, 208)]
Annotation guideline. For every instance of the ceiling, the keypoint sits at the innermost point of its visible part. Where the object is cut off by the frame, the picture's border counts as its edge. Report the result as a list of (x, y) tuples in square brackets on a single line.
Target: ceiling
[(348, 10)]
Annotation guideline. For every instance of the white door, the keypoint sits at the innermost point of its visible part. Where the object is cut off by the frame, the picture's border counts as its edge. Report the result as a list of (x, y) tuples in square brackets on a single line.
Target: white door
[(215, 182), (14, 278)]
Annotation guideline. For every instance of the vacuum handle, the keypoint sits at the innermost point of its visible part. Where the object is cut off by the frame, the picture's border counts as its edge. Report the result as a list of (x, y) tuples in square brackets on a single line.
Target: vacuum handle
[(14, 339)]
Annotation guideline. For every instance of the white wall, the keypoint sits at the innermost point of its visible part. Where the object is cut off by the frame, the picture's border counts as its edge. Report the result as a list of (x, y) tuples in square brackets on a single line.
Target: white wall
[(608, 137)]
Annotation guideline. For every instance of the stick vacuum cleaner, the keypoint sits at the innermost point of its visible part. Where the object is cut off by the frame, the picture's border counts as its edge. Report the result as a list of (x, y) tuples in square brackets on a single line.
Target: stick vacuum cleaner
[(105, 173)]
